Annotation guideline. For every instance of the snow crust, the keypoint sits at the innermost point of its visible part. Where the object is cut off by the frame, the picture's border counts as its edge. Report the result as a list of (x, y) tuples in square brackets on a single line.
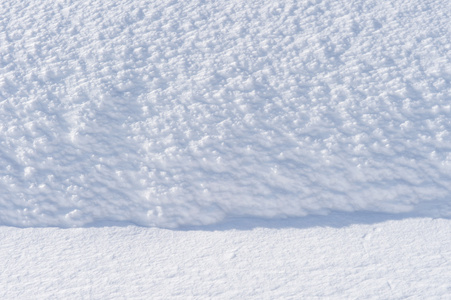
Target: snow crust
[(170, 113), (397, 259)]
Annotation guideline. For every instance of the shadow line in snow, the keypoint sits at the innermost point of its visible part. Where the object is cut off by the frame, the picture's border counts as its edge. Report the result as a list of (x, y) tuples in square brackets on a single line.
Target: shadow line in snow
[(334, 219)]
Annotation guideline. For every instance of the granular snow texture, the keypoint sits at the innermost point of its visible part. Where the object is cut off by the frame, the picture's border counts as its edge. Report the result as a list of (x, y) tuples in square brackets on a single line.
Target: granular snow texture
[(170, 113)]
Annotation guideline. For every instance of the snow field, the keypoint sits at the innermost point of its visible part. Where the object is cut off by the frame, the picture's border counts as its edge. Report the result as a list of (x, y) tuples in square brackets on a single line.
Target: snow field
[(170, 113), (400, 259)]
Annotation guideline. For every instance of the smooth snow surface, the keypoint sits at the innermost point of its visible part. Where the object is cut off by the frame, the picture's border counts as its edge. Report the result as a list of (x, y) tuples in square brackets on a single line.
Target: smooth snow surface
[(404, 259), (170, 113)]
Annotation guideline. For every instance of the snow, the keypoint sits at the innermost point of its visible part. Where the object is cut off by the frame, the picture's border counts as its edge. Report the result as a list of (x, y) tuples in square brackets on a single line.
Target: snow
[(185, 113), (386, 260), (225, 149)]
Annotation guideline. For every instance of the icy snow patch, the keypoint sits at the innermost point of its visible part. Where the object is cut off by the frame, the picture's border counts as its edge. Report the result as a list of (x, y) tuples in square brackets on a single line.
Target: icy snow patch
[(184, 112)]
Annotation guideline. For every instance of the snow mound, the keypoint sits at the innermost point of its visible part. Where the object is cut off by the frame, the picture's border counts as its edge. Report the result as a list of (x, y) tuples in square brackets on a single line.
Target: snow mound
[(172, 113)]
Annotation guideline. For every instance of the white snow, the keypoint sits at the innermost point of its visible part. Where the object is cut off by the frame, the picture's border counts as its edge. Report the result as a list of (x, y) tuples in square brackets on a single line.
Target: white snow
[(169, 113), (408, 259), (296, 149)]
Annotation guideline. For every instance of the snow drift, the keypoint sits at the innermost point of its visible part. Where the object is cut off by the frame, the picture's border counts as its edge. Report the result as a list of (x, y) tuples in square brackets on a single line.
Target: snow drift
[(174, 113)]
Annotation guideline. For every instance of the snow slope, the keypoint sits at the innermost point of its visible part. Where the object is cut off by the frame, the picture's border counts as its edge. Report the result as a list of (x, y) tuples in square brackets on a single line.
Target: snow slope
[(170, 113)]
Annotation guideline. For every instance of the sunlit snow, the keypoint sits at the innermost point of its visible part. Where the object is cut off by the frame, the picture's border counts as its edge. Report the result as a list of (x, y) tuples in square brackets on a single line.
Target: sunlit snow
[(225, 149), (170, 113)]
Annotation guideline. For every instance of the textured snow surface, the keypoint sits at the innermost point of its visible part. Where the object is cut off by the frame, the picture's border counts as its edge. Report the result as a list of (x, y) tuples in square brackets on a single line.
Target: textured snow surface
[(404, 259), (170, 113)]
